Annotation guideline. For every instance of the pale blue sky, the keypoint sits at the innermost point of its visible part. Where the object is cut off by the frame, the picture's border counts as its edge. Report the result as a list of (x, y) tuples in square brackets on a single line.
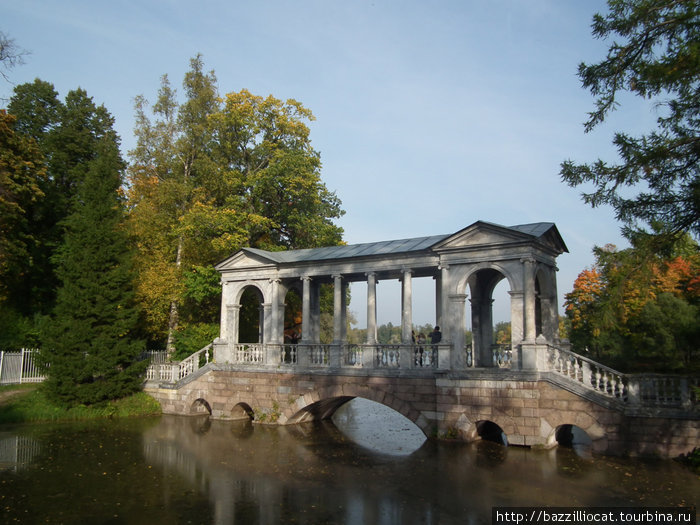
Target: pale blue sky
[(430, 115)]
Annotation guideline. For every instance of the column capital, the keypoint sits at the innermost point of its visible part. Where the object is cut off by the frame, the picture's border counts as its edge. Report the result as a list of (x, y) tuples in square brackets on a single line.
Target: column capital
[(336, 276), (275, 280), (528, 260), (307, 278)]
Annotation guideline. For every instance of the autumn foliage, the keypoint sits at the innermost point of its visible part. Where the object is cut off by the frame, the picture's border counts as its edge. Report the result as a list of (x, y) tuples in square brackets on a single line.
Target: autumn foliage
[(639, 311)]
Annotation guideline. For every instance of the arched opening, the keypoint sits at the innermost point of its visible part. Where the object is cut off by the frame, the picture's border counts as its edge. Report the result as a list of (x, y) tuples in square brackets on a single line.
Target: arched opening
[(490, 431), (242, 411), (319, 410), (377, 427), (200, 406), (571, 436), (250, 325), (483, 287)]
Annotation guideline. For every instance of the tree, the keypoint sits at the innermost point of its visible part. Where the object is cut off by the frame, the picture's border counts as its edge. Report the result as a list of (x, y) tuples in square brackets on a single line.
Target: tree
[(90, 342), (21, 172), (66, 134), (658, 178), (11, 55), (502, 333), (637, 310), (209, 176)]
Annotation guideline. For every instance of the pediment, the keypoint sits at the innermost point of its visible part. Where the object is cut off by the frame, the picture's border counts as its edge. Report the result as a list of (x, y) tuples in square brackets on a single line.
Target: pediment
[(243, 260), (482, 234)]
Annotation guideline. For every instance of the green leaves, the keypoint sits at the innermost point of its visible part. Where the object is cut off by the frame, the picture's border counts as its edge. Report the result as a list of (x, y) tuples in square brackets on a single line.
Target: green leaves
[(658, 58), (210, 175), (91, 341), (637, 310)]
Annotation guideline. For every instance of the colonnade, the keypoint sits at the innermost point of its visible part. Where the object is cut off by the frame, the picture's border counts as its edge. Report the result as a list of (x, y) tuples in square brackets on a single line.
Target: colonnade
[(460, 271)]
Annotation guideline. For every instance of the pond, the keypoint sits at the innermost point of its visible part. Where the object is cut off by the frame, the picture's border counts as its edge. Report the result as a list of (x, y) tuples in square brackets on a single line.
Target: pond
[(369, 467)]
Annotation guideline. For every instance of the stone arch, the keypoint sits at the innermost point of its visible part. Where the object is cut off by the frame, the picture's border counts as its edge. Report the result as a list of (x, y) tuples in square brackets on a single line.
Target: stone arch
[(477, 284), (251, 324), (469, 422), (322, 404), (488, 430), (469, 270), (200, 406), (568, 435), (242, 410), (557, 419), (243, 286)]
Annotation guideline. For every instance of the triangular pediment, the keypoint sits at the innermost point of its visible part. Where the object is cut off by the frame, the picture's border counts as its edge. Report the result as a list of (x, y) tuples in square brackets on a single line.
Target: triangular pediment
[(482, 234), (243, 259)]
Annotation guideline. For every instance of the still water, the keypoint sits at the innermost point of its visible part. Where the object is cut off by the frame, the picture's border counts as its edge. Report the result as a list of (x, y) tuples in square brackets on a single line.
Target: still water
[(370, 467)]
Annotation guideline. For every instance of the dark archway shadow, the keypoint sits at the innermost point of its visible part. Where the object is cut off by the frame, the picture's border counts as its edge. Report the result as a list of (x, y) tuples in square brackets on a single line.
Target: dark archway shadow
[(490, 431)]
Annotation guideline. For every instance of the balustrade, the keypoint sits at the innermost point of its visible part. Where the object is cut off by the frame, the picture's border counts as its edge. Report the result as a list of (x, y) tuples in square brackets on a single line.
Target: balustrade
[(630, 390), (502, 356)]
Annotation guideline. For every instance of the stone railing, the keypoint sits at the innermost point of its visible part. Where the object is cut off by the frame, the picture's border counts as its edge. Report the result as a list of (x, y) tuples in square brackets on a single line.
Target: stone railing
[(632, 390), (367, 356), (173, 372), (502, 356)]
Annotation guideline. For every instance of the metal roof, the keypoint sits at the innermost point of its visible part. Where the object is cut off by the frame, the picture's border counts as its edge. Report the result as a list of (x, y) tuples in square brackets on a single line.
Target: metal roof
[(351, 250), (399, 246)]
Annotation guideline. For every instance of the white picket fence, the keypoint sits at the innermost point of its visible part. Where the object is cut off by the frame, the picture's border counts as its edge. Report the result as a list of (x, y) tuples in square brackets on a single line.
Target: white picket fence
[(20, 367)]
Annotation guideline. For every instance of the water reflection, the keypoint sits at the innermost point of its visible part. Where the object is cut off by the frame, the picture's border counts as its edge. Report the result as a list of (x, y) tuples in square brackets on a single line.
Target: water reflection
[(194, 470), (16, 452), (378, 428)]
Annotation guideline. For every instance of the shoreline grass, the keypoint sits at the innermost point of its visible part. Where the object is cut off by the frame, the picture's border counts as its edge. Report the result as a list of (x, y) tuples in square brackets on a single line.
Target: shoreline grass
[(32, 406)]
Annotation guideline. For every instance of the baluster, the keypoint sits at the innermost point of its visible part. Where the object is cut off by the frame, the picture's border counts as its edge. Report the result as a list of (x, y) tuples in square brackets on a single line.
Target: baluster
[(596, 379), (577, 369)]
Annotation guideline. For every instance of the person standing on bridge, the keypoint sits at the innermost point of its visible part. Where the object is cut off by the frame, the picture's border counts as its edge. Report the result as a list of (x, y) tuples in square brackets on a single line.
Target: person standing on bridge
[(436, 335), (435, 338)]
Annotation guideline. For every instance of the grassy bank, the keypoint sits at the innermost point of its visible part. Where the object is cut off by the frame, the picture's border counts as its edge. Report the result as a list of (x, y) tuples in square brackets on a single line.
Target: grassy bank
[(29, 404)]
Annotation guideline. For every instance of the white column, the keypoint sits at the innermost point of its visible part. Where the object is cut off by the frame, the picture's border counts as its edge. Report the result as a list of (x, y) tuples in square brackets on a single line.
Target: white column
[(406, 307), (438, 300), (371, 308), (315, 312), (455, 327), (529, 299), (306, 310), (552, 305), (224, 332), (276, 319), (344, 313), (264, 323), (233, 312), (338, 317)]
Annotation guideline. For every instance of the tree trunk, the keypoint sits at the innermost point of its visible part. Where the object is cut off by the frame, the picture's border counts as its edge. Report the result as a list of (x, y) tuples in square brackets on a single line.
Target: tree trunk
[(174, 307)]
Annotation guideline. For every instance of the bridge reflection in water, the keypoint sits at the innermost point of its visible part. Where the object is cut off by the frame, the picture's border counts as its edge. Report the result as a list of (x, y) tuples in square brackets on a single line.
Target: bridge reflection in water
[(316, 473), (198, 470)]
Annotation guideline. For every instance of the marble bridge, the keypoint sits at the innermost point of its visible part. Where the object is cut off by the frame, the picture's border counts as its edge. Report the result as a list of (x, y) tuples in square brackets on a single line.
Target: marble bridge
[(533, 391)]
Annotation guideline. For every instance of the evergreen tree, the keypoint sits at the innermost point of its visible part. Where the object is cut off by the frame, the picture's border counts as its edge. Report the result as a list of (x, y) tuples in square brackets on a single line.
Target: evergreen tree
[(66, 134), (21, 174), (90, 342), (655, 55)]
